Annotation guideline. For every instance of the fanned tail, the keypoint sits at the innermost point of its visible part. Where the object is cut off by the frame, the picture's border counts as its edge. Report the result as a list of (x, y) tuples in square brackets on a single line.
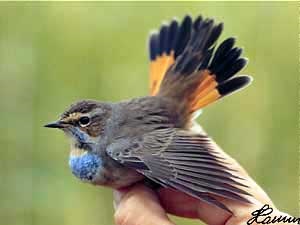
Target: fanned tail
[(185, 66)]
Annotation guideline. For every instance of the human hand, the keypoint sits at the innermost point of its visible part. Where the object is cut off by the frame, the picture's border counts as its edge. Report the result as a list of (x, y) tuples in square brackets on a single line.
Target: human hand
[(139, 205)]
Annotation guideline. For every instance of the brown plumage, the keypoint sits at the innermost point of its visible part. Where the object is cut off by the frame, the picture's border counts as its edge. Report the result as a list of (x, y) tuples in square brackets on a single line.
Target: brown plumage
[(114, 144)]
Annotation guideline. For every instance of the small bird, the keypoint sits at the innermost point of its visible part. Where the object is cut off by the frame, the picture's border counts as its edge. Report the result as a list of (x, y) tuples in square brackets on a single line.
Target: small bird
[(156, 138)]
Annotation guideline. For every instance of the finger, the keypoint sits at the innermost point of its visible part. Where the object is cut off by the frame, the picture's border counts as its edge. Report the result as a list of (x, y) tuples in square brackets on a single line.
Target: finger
[(180, 204), (139, 205)]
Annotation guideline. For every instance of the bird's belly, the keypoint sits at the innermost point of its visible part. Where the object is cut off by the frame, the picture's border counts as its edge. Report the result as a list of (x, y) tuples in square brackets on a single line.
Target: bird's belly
[(101, 169)]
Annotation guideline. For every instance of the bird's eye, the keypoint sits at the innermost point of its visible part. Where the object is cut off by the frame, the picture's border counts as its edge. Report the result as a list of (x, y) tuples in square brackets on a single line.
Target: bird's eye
[(84, 121)]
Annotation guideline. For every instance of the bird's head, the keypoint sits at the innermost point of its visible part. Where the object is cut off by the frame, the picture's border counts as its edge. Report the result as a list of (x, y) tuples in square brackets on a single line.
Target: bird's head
[(84, 122)]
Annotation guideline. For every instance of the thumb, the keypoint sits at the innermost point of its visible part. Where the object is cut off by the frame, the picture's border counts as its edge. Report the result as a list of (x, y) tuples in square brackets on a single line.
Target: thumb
[(138, 205)]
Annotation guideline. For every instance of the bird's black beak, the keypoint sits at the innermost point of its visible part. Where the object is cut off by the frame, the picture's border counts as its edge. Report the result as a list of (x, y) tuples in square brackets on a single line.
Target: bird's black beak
[(56, 124)]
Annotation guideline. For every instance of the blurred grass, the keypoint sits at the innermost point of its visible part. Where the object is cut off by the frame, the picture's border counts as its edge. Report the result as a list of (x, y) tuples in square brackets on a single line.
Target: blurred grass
[(52, 54)]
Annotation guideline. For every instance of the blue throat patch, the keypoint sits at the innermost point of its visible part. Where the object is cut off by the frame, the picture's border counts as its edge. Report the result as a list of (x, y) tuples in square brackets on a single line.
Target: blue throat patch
[(85, 166)]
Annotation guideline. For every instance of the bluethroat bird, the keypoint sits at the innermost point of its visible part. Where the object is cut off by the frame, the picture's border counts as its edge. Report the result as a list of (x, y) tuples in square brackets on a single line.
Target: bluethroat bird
[(156, 137)]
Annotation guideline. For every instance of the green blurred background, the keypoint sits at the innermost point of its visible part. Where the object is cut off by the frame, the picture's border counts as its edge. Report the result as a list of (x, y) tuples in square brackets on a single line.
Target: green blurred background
[(52, 54)]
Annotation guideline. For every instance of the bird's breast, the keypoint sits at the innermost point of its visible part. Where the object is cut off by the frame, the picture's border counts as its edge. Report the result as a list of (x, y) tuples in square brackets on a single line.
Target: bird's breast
[(84, 165), (100, 169)]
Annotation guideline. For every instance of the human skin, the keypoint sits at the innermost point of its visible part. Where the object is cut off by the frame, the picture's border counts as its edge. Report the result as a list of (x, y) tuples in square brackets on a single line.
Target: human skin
[(139, 204)]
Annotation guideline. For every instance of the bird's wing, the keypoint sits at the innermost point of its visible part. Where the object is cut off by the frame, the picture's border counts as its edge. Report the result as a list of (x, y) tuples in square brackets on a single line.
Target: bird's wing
[(184, 161)]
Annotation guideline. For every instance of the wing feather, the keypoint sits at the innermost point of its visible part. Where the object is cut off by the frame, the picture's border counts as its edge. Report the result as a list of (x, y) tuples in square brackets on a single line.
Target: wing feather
[(187, 162)]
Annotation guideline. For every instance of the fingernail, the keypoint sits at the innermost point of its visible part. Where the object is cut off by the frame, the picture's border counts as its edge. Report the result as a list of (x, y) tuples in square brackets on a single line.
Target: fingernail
[(117, 198), (115, 205)]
